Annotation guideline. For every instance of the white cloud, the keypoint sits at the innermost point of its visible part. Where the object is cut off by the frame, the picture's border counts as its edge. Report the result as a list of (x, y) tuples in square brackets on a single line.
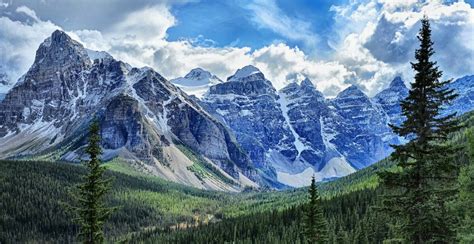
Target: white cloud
[(266, 14), (29, 12), (381, 39), (177, 58), (4, 4), (278, 61), (377, 44), (19, 41), (146, 25)]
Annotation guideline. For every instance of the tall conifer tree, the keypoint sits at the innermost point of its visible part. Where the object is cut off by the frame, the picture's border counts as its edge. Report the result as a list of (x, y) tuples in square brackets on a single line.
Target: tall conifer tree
[(315, 226), (464, 205), (91, 211), (424, 181)]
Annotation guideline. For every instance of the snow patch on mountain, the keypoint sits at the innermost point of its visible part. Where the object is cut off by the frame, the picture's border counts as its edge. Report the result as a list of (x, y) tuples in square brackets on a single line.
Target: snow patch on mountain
[(98, 55), (244, 72), (196, 82), (297, 180), (334, 168), (337, 166), (300, 146)]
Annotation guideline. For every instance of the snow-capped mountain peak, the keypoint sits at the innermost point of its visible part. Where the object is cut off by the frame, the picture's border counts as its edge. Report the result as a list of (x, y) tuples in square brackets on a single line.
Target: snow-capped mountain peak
[(198, 74), (390, 99), (396, 91), (246, 73), (61, 48), (198, 77), (196, 82)]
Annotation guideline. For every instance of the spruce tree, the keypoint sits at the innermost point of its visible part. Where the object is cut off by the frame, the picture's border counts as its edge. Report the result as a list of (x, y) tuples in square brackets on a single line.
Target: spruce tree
[(464, 205), (91, 211), (423, 183), (315, 227)]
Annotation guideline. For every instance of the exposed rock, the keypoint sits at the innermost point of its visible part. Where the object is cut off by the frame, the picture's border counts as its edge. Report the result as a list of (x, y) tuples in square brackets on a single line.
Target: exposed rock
[(141, 114)]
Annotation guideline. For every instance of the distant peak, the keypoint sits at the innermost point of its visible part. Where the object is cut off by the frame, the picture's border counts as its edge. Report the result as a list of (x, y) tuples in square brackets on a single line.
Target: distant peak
[(60, 37), (397, 82), (200, 70), (198, 74), (3, 78), (353, 91), (307, 83), (245, 72), (197, 77)]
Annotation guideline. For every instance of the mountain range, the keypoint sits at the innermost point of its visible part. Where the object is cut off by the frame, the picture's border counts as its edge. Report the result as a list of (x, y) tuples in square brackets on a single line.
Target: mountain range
[(198, 129)]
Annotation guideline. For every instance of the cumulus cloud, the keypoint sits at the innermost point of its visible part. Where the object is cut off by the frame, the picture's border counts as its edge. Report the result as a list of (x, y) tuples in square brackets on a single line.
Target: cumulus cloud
[(29, 12), (267, 14), (376, 46), (278, 61), (381, 43), (19, 41), (146, 25)]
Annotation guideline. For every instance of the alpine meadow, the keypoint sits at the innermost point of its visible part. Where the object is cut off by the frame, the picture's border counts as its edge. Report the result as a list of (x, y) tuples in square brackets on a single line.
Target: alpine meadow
[(338, 122)]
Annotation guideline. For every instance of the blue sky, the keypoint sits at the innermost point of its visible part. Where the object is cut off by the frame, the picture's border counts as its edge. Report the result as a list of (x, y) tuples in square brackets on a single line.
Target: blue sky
[(229, 23), (334, 43)]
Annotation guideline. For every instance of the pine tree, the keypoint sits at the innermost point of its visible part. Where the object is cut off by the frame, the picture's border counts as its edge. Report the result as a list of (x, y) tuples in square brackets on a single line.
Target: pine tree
[(424, 181), (465, 202), (91, 212), (315, 227)]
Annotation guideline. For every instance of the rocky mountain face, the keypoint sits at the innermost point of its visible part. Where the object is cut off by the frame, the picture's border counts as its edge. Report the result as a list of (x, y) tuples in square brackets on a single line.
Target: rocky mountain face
[(389, 99), (366, 126), (144, 119), (464, 87), (5, 83), (196, 82), (316, 128), (248, 104), (291, 134), (295, 133)]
